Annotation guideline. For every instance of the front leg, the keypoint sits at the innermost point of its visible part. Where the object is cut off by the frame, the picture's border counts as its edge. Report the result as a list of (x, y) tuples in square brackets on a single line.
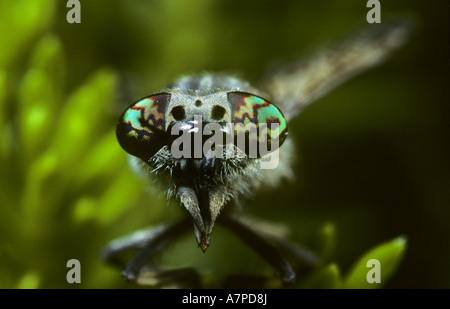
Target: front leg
[(148, 243), (262, 246), (273, 248)]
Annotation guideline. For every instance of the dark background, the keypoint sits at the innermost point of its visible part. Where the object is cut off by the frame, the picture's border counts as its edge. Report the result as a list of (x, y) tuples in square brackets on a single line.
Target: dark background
[(372, 156)]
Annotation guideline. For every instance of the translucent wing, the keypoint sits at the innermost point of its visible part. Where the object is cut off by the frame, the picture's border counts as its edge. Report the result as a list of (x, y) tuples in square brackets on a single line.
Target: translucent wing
[(295, 85)]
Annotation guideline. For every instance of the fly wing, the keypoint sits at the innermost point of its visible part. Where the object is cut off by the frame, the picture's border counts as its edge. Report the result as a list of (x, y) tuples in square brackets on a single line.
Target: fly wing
[(295, 85)]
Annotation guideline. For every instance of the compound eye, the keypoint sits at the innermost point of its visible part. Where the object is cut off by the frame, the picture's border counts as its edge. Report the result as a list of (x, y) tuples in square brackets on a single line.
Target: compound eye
[(141, 128), (259, 121)]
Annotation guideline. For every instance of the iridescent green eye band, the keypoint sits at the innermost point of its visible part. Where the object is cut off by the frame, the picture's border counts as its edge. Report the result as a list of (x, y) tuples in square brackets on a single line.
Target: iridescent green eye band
[(145, 116), (249, 109), (141, 129), (140, 124)]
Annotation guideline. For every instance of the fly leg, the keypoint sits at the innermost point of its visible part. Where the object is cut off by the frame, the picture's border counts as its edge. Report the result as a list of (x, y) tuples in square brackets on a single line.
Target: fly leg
[(146, 244), (275, 249)]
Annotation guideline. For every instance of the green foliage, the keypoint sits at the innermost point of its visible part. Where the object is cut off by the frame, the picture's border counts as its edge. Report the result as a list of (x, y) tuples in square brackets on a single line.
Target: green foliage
[(21, 22), (389, 255), (327, 277), (66, 188), (61, 166)]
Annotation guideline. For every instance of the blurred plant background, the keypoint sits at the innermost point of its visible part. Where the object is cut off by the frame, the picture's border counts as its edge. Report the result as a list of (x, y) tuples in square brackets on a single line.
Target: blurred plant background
[(373, 156)]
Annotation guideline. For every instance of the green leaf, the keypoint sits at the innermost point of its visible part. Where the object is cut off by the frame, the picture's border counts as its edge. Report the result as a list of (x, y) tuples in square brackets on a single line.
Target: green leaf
[(40, 94), (388, 254), (84, 209), (326, 241), (29, 281), (3, 91), (104, 160), (48, 57), (36, 113), (328, 277), (116, 200), (41, 185), (84, 118), (20, 22), (5, 142)]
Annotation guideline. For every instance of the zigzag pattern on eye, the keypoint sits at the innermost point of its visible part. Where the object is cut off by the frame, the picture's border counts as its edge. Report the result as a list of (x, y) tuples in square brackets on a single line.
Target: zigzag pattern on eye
[(138, 133), (150, 118), (244, 113), (155, 117)]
